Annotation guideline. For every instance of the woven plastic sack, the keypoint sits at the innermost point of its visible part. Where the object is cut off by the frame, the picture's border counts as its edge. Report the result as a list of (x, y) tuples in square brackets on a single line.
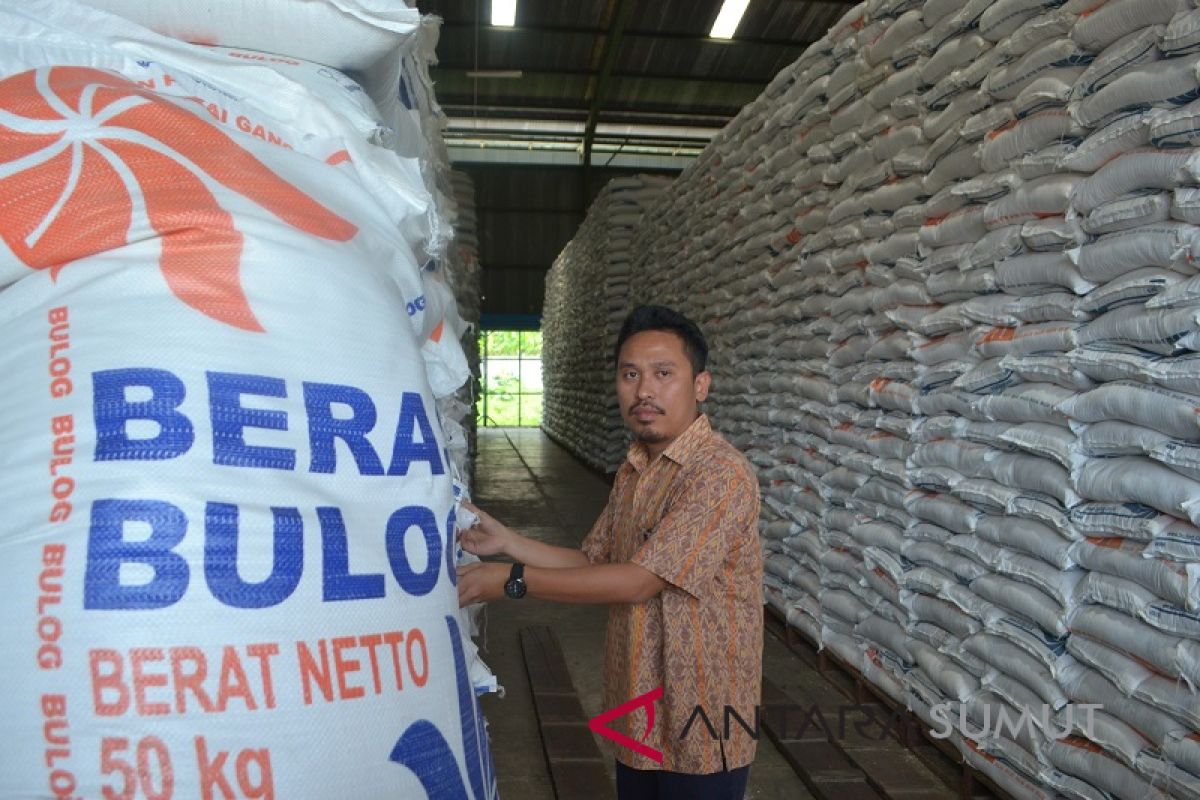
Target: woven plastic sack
[(227, 502)]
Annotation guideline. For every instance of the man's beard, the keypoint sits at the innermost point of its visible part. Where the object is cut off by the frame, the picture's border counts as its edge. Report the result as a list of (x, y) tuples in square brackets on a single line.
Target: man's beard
[(649, 436)]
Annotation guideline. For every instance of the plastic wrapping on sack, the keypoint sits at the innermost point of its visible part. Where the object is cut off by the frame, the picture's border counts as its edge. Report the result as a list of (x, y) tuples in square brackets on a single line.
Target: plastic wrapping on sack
[(199, 515)]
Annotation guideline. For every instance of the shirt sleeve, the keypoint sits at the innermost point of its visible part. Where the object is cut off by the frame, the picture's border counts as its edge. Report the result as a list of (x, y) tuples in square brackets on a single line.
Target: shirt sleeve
[(597, 545), (715, 513)]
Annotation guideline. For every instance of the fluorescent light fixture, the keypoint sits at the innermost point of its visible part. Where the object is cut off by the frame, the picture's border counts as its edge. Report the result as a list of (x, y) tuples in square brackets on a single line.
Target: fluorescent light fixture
[(494, 73), (727, 20), (504, 13)]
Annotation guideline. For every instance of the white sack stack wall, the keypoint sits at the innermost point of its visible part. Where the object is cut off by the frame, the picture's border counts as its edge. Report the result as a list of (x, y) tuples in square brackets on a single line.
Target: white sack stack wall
[(231, 478), (947, 265), (587, 298), (467, 279)]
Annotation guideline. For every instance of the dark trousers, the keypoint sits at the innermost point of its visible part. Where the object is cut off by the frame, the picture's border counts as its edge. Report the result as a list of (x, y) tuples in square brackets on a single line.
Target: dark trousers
[(654, 784)]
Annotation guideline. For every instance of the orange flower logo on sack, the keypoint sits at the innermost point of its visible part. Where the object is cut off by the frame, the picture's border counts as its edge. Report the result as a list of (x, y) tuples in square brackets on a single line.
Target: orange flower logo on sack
[(90, 161)]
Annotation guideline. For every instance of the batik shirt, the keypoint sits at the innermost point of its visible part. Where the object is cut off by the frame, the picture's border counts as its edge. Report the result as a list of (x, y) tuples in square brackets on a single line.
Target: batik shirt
[(690, 517)]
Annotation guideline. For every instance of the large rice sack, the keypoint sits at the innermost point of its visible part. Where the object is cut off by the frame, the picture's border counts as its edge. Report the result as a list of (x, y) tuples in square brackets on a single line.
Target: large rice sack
[(228, 513)]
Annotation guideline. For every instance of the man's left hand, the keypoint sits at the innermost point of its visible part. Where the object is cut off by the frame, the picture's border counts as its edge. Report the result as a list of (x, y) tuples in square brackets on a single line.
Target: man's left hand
[(482, 582)]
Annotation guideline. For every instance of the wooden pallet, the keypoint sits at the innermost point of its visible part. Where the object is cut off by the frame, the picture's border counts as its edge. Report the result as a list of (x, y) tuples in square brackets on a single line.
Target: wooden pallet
[(574, 761), (939, 756)]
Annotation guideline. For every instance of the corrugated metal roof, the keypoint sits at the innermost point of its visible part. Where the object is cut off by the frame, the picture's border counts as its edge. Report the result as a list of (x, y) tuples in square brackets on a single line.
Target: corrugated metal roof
[(662, 67)]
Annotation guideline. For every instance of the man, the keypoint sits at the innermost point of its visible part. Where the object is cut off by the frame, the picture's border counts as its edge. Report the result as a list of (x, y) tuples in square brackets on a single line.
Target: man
[(676, 553)]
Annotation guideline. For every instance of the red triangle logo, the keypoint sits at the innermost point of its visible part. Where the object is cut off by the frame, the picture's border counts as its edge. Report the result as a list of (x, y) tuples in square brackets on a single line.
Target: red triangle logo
[(599, 724)]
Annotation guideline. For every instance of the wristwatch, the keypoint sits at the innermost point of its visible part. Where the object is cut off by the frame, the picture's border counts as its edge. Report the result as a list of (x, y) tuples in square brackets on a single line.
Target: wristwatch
[(515, 587)]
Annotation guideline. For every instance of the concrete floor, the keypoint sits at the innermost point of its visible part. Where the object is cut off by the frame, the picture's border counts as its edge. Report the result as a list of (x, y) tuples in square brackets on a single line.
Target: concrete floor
[(528, 482)]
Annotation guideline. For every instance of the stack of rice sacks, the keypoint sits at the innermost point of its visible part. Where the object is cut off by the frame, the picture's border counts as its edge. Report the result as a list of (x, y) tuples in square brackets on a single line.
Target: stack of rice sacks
[(230, 500), (946, 265), (587, 298)]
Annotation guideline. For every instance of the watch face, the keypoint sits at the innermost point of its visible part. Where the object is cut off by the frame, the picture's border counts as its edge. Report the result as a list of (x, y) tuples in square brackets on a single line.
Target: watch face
[(515, 588)]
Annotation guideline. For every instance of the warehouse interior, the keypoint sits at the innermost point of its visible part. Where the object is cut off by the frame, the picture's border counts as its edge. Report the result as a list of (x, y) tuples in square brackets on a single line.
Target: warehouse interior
[(354, 267), (728, 177)]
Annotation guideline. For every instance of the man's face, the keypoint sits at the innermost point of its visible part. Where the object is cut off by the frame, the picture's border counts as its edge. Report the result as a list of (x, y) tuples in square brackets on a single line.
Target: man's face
[(656, 388)]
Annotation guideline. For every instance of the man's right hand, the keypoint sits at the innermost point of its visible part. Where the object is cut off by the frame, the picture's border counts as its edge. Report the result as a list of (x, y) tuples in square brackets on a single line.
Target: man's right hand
[(489, 537)]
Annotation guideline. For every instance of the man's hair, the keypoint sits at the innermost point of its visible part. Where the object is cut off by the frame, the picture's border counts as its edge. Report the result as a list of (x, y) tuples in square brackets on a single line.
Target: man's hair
[(661, 318)]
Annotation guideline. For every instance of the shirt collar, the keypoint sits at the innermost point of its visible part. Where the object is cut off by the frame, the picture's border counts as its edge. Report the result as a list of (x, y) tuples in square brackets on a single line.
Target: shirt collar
[(679, 451)]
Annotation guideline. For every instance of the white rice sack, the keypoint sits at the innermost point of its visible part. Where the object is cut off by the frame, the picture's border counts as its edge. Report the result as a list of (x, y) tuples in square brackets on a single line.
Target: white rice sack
[(1024, 600), (1031, 402), (987, 187), (1017, 665), (937, 555), (987, 377), (1118, 438), (945, 26), (1170, 245), (1131, 50), (1139, 480), (1028, 537), (958, 52), (1007, 82), (1045, 440), (1128, 212), (1112, 20), (890, 143), (956, 165), (1183, 457), (1005, 16), (1084, 684), (1129, 636), (1044, 162), (843, 605), (991, 118), (1178, 373), (1172, 696), (1053, 233), (1185, 204), (1178, 584), (200, 279), (1056, 583), (1122, 135), (850, 117), (1180, 541), (1026, 135), (1182, 35), (1047, 26), (965, 458), (1032, 200), (1113, 362), (964, 226), (1164, 410), (945, 121), (902, 82), (1164, 331), (886, 634), (951, 257), (1001, 243), (1118, 518), (943, 511), (932, 320), (1170, 82), (950, 347), (941, 613), (1132, 170), (1080, 758), (1176, 127), (1132, 289), (907, 26), (1048, 367), (1037, 273), (992, 499), (1057, 337), (1050, 90), (950, 286)]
